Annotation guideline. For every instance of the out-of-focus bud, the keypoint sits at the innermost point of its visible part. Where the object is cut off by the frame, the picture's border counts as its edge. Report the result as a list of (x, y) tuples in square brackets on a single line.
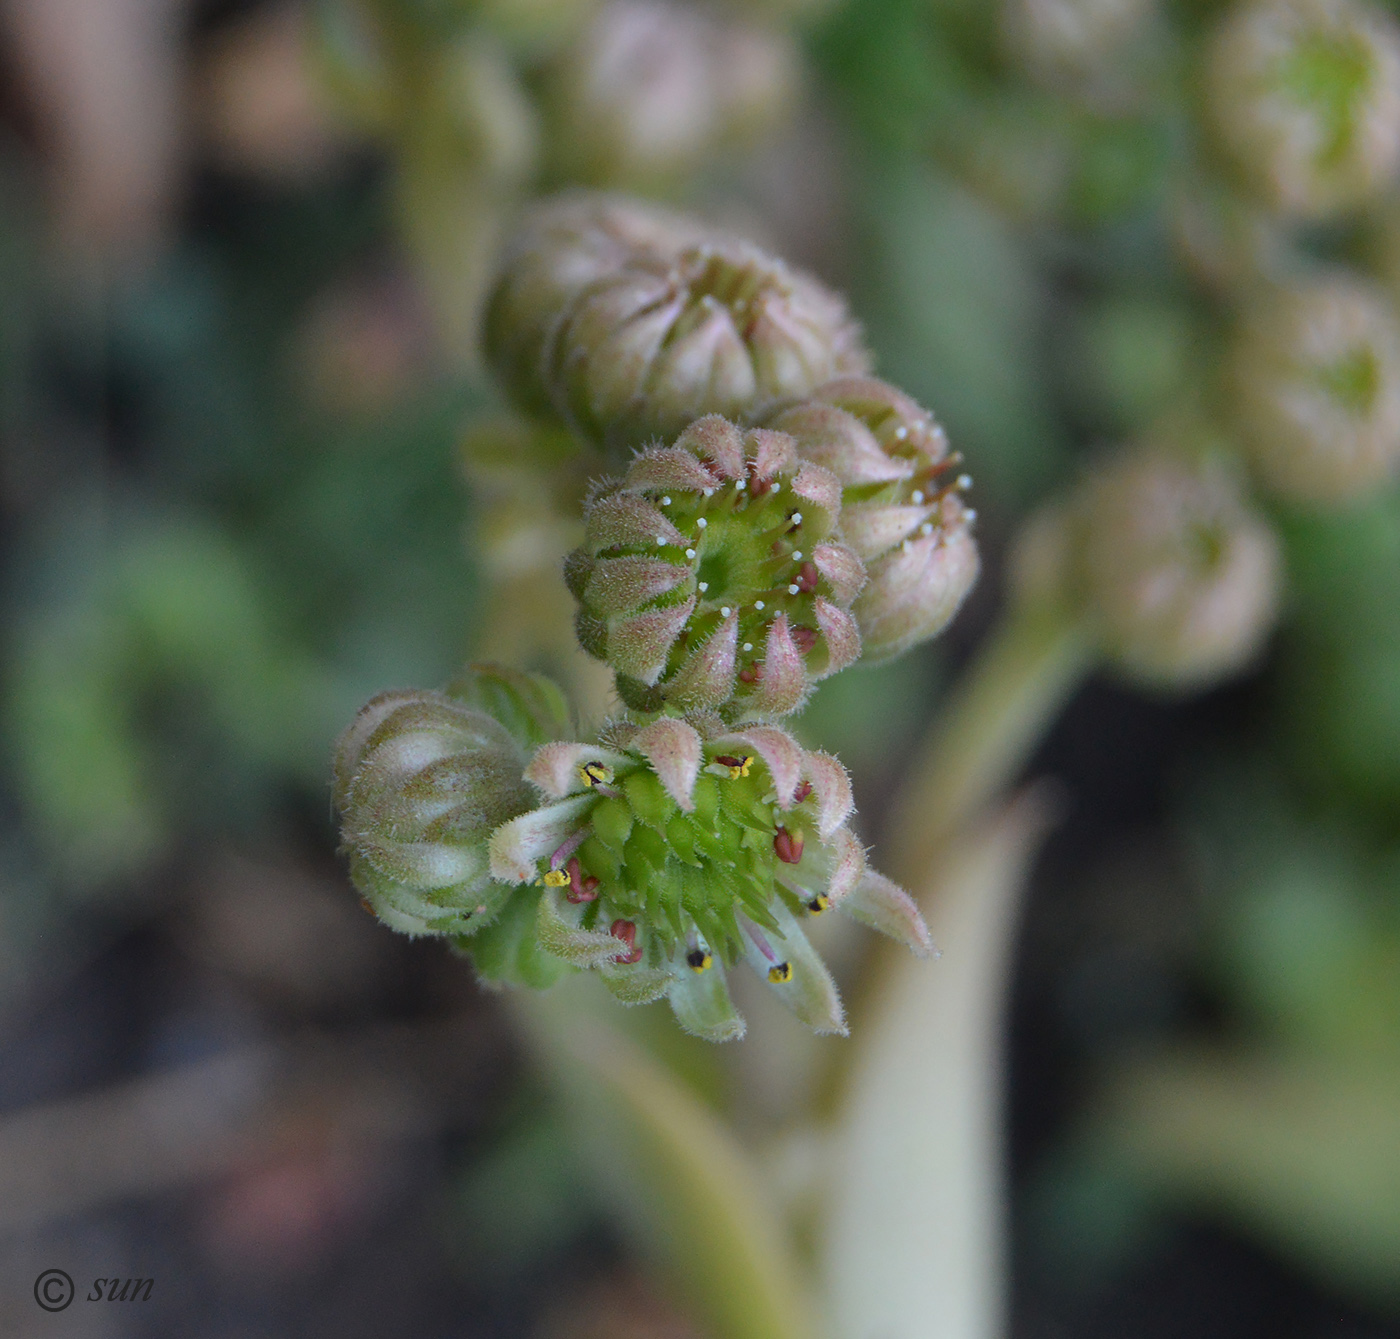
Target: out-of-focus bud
[(1078, 47), (651, 90), (1305, 98), (421, 780), (1316, 379), (1178, 579), (627, 322), (709, 579), (901, 514), (670, 852)]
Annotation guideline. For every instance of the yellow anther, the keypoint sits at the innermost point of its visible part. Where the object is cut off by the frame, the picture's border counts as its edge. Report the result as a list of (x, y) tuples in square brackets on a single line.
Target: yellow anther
[(556, 878), (820, 903), (595, 774), (738, 766), (780, 972), (698, 960)]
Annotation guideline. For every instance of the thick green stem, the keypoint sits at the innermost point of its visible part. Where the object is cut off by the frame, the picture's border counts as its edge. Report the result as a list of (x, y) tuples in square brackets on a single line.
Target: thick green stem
[(1021, 678)]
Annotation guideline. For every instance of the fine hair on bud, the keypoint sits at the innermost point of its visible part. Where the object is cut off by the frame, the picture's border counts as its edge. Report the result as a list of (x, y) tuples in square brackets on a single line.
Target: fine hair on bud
[(626, 322), (650, 91), (1315, 378), (1304, 96), (903, 513), (1177, 577)]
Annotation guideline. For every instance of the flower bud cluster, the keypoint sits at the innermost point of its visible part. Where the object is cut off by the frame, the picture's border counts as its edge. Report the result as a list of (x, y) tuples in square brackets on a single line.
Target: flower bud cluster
[(710, 578), (1305, 97), (1175, 577), (626, 322), (1316, 379), (661, 856), (901, 514), (651, 90)]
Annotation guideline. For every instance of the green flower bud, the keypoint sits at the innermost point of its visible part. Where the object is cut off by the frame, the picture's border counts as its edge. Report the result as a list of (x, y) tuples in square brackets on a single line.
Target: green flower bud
[(1178, 578), (627, 322), (651, 91), (1316, 375), (666, 855), (902, 518), (709, 576), (421, 780), (1305, 97)]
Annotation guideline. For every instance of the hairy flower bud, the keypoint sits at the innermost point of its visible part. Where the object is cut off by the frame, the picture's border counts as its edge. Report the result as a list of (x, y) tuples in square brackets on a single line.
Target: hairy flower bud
[(901, 516), (1316, 375), (666, 855), (1305, 97), (626, 322), (651, 90), (1179, 580), (421, 780), (709, 577)]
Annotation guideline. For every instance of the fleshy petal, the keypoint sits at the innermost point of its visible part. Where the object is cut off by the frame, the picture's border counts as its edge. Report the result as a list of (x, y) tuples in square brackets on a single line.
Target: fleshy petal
[(781, 754), (639, 644), (701, 1004), (807, 989), (624, 519), (706, 676), (517, 847), (773, 452), (842, 636), (843, 570), (819, 487), (555, 767), (673, 749), (883, 905), (637, 985), (716, 441), (784, 683), (617, 585), (848, 866), (832, 786), (665, 467)]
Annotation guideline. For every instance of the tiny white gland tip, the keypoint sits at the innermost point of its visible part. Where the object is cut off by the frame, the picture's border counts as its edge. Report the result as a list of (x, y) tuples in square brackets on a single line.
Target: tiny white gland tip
[(748, 646), (917, 496), (792, 590), (797, 518), (704, 586), (964, 481), (707, 492), (901, 433), (970, 514), (702, 523), (758, 604), (926, 528), (690, 553), (665, 502), (908, 546), (797, 555), (741, 484), (660, 541), (724, 611), (777, 488)]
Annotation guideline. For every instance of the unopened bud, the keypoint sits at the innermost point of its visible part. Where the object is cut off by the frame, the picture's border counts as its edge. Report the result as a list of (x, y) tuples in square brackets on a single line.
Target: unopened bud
[(627, 322), (1316, 375), (421, 780), (709, 577), (902, 512), (650, 91), (1305, 97), (1178, 578)]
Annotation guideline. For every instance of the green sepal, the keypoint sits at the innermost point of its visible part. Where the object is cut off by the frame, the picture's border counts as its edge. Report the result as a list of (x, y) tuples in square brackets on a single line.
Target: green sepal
[(701, 1004), (531, 707)]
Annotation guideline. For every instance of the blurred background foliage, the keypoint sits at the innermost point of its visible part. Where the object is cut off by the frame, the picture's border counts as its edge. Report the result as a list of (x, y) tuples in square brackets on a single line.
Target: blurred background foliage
[(242, 247)]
